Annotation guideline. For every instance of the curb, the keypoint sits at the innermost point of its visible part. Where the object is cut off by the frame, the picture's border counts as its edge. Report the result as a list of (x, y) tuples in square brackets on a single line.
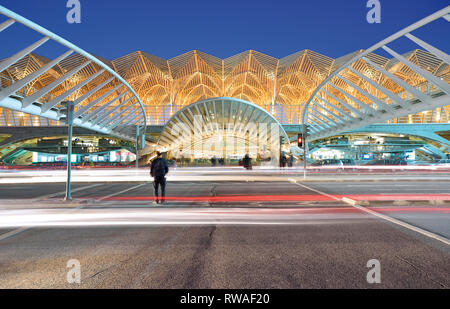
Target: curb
[(377, 180), (353, 202)]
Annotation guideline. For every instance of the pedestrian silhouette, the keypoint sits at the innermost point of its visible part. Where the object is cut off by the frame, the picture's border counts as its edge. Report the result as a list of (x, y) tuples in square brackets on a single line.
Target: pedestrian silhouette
[(158, 170)]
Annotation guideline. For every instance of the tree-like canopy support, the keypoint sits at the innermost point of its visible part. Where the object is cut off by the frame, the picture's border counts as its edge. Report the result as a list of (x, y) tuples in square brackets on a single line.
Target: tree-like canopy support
[(366, 89), (32, 84)]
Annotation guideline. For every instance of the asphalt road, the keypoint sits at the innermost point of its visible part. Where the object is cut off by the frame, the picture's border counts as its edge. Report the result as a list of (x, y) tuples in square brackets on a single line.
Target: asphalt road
[(272, 243), (228, 188)]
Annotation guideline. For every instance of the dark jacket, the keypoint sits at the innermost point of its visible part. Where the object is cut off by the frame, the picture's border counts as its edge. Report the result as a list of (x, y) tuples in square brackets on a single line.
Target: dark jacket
[(159, 167), (247, 161)]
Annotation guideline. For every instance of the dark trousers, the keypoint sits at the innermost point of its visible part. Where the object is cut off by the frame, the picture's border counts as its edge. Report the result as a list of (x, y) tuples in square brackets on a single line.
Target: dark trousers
[(160, 181)]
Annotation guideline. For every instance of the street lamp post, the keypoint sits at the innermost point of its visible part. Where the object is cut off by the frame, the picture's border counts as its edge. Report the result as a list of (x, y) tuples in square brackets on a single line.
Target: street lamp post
[(281, 151), (67, 117), (304, 150), (137, 147)]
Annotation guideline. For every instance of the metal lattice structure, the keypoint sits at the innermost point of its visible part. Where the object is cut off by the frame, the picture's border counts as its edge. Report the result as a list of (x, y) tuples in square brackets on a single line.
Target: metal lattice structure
[(224, 116), (282, 87), (277, 85), (37, 86), (367, 88)]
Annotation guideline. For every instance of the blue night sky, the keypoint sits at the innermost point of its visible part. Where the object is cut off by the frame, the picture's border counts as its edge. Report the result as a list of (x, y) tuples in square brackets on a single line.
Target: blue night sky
[(168, 28)]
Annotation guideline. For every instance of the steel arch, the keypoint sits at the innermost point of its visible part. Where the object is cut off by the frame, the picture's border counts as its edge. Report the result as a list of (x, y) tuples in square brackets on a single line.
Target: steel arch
[(365, 92), (104, 101), (215, 115)]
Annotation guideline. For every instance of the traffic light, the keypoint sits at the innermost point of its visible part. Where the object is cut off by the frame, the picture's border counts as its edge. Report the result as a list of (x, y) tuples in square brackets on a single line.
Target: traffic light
[(308, 129), (300, 140), (66, 112)]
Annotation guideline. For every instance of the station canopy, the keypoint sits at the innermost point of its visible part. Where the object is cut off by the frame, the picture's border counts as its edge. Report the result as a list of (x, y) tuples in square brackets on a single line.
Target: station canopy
[(38, 86), (222, 127), (379, 85)]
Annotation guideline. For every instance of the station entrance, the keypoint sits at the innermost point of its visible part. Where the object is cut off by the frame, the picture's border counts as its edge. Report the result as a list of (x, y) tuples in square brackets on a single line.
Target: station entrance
[(224, 129)]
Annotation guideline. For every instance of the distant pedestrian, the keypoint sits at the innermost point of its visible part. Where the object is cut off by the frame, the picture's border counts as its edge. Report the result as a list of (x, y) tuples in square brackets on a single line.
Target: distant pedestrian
[(158, 171), (283, 161), (291, 160), (247, 162)]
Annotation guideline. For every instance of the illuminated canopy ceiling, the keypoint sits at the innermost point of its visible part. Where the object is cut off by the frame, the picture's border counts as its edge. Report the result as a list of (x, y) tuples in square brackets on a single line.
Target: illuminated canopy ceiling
[(280, 86), (167, 85), (30, 84), (366, 89), (251, 76), (223, 116)]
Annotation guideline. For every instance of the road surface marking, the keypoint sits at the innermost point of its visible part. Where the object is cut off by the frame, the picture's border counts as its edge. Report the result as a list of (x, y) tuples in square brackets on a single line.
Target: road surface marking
[(381, 185), (64, 192), (398, 222), (411, 189), (23, 229), (123, 191), (354, 204), (12, 233), (312, 189)]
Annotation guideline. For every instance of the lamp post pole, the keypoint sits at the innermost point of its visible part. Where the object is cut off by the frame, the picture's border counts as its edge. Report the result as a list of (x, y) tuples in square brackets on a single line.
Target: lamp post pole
[(304, 151), (68, 110), (281, 151), (137, 147)]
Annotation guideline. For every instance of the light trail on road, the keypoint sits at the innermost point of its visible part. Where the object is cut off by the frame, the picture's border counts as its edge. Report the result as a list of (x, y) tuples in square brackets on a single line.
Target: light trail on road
[(220, 174), (207, 216), (289, 198)]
